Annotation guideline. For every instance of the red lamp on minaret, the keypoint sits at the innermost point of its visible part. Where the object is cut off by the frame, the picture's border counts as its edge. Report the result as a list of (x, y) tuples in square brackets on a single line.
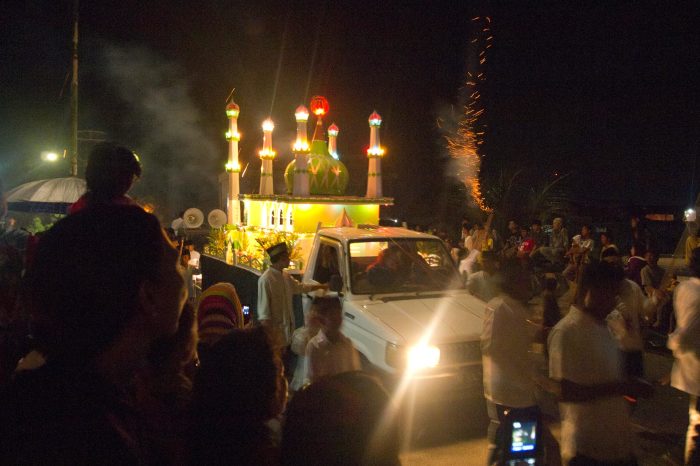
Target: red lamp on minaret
[(319, 107)]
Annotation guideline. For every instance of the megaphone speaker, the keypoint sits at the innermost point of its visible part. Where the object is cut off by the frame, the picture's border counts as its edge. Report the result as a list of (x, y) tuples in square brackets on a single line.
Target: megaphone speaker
[(216, 218), (193, 218)]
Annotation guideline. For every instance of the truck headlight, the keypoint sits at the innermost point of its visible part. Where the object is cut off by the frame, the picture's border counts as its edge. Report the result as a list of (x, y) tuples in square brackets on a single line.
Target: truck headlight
[(422, 357), (413, 358)]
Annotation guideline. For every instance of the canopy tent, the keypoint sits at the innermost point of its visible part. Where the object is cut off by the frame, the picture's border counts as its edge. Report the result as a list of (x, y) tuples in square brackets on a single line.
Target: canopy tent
[(54, 195)]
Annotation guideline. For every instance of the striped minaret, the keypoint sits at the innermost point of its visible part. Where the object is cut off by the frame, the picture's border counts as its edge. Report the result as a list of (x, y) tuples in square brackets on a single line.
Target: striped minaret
[(374, 154), (267, 155)]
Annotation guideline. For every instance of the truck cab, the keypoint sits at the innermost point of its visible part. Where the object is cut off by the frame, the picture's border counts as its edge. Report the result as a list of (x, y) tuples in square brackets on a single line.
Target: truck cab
[(405, 307)]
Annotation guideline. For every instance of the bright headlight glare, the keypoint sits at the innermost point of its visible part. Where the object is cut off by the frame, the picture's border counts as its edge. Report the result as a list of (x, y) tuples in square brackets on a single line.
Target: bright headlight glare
[(423, 357)]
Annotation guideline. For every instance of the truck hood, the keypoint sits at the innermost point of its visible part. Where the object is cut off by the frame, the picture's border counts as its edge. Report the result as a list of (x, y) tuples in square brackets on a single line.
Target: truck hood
[(459, 317)]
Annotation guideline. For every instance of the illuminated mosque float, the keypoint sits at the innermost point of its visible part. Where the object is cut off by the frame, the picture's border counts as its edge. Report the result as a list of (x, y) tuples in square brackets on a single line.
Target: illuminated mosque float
[(315, 181)]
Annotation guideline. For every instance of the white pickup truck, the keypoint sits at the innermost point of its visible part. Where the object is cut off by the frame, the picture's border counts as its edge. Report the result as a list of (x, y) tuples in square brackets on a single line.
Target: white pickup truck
[(420, 322)]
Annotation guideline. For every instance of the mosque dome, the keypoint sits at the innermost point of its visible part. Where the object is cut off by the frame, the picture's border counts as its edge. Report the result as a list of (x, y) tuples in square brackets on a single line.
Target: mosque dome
[(327, 176)]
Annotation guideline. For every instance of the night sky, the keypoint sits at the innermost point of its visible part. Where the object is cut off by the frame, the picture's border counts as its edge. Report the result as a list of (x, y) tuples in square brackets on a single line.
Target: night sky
[(607, 91)]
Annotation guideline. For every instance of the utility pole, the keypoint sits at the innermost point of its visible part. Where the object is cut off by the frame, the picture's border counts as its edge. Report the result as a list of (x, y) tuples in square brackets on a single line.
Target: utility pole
[(74, 97)]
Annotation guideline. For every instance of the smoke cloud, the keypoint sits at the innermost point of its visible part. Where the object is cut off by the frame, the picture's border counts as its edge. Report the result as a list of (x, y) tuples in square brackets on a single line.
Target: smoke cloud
[(163, 125)]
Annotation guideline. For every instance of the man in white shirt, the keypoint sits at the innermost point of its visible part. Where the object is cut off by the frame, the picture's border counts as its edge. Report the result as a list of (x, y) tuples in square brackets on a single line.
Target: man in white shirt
[(482, 283), (586, 363), (685, 344), (505, 343), (625, 321), (329, 352), (194, 255), (276, 289)]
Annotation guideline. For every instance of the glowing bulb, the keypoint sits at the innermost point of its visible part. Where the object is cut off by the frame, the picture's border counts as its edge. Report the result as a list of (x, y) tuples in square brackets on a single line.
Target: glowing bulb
[(232, 113), (268, 125), (233, 167), (267, 154), (49, 156), (235, 136), (300, 146), (423, 357), (301, 114), (375, 151)]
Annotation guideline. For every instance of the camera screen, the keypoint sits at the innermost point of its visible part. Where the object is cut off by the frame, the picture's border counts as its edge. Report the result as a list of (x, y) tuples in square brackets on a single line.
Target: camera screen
[(524, 436), (246, 310)]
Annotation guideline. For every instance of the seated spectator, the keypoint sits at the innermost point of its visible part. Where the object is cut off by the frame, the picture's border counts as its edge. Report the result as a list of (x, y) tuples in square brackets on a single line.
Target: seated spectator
[(513, 239), (579, 254), (329, 352), (537, 234), (558, 243), (111, 171), (238, 389), (219, 312), (606, 242), (95, 326), (527, 243), (340, 420)]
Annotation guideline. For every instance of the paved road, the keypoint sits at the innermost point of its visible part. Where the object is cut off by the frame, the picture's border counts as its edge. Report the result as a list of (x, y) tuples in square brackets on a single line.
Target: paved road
[(455, 435)]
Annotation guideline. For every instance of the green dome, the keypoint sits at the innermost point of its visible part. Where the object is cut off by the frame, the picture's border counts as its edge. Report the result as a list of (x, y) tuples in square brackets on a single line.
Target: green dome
[(326, 175)]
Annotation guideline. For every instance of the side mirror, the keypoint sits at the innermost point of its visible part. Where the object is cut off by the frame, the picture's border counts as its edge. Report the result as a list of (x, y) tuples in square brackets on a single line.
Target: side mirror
[(335, 283)]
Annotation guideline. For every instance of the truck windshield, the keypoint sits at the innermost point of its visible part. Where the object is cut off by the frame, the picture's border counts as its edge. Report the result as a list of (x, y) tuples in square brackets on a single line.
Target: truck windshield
[(401, 265)]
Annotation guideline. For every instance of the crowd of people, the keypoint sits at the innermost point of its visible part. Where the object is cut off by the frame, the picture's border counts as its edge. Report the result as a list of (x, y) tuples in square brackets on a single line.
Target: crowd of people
[(118, 366), (121, 367), (594, 348)]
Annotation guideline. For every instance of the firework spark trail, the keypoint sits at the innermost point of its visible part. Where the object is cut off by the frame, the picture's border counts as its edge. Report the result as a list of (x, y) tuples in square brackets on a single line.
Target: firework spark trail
[(463, 145)]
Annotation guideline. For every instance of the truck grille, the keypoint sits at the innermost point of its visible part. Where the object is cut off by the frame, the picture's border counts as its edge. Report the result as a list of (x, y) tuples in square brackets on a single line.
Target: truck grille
[(460, 353)]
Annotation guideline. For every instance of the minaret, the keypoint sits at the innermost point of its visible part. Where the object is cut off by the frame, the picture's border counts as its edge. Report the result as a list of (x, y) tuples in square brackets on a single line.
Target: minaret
[(233, 167), (374, 154), (301, 154), (267, 155), (333, 140)]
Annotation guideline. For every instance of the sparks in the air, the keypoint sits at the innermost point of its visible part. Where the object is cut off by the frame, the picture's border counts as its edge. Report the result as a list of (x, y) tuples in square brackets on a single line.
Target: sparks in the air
[(464, 144)]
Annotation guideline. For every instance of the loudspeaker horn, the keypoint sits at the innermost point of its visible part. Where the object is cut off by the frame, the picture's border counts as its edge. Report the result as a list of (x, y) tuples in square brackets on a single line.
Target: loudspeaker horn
[(193, 218), (216, 218)]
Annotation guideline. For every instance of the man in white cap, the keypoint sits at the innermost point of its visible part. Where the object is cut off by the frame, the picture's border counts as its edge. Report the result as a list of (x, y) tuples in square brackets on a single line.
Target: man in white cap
[(276, 289)]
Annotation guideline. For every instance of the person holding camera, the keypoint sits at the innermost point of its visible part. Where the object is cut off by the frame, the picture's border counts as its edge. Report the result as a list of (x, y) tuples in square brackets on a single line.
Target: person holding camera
[(509, 386)]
